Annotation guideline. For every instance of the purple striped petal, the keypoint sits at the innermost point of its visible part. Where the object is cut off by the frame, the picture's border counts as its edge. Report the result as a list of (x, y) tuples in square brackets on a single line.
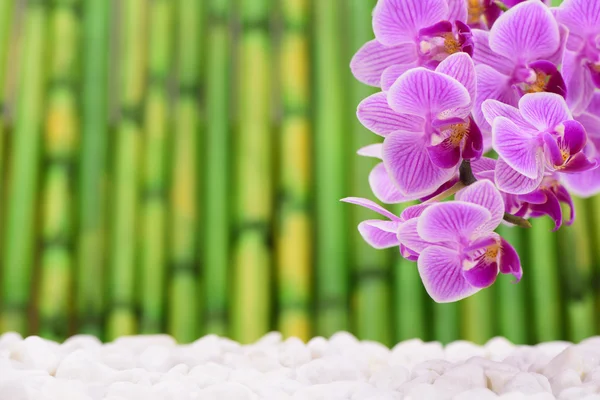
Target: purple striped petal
[(398, 21), (460, 67), (414, 211), (407, 161), (564, 196), (493, 108), (545, 111), (379, 234), (371, 205), (485, 194), (409, 237), (384, 189), (484, 164), (491, 84), (584, 184), (445, 154), (580, 88), (451, 221), (579, 163), (457, 10), (372, 150), (574, 136), (582, 17), (526, 32), (521, 150), (509, 260), (427, 94), (391, 74), (373, 58), (548, 70), (550, 208), (377, 116), (474, 147), (510, 181), (441, 271), (483, 54)]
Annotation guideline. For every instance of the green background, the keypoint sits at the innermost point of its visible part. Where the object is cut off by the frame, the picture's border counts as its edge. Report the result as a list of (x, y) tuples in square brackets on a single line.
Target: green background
[(176, 166)]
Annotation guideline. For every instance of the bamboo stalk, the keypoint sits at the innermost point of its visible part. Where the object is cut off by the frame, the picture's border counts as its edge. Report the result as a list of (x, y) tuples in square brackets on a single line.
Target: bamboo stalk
[(575, 257), (184, 286), (91, 245), (294, 245), (62, 130), (543, 275), (408, 298), (20, 227), (153, 202), (7, 15), (511, 303), (332, 259), (446, 322), (371, 267), (593, 205), (254, 181), (122, 315), (477, 317), (217, 173)]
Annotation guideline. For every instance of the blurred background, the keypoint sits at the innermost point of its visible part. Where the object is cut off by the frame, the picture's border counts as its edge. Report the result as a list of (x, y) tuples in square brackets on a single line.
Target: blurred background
[(176, 166)]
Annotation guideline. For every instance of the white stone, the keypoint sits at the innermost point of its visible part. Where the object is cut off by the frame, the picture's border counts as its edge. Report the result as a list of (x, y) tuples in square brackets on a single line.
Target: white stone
[(294, 353), (476, 394), (564, 380), (36, 353), (317, 346), (527, 383), (227, 391), (462, 351), (577, 358), (390, 378)]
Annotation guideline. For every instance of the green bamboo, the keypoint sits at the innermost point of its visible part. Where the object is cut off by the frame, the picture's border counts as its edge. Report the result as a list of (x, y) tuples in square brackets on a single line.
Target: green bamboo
[(252, 252), (593, 205), (91, 210), (543, 275), (371, 267), (121, 317), (575, 258), (408, 299), (511, 302), (62, 131), (331, 154), (217, 169), (294, 244), (184, 236), (153, 201), (477, 317), (20, 228), (6, 44)]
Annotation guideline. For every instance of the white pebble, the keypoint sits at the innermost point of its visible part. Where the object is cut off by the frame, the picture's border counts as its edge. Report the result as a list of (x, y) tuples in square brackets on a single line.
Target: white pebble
[(527, 383)]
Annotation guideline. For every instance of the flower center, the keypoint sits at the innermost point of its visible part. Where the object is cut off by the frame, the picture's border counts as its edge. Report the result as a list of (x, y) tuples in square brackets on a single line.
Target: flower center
[(491, 253), (451, 45), (457, 133), (539, 84), (476, 10)]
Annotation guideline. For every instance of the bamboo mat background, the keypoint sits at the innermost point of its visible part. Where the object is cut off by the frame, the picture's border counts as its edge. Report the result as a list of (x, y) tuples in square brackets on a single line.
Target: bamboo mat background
[(176, 166)]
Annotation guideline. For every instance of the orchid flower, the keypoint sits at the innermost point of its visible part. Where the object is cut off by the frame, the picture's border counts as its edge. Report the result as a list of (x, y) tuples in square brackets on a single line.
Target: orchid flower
[(581, 62), (425, 121), (540, 136), (408, 34), (458, 251), (587, 183), (518, 56), (382, 234), (544, 200)]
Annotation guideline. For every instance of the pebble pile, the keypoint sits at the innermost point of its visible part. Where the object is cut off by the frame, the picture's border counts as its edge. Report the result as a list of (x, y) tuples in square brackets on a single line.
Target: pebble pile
[(341, 368)]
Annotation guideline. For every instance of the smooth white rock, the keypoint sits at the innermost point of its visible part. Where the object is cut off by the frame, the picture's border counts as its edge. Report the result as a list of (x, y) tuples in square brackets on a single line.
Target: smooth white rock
[(527, 383), (392, 377), (36, 353), (476, 394), (293, 353)]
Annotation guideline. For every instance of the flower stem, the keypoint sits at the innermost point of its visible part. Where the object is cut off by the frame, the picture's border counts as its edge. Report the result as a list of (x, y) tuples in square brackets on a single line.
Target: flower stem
[(447, 193), (518, 221)]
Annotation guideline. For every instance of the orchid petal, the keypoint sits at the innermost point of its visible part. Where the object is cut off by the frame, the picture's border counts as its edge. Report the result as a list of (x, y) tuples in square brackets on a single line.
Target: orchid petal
[(414, 211), (377, 116), (491, 84), (565, 197), (551, 208), (371, 205), (584, 184), (579, 163), (445, 154), (457, 10), (373, 58), (451, 221), (580, 16), (397, 21), (427, 93), (473, 148), (384, 189), (494, 108), (545, 111), (379, 234), (574, 135), (372, 150), (485, 194), (391, 74), (509, 260), (580, 88), (409, 237), (483, 54), (519, 149), (510, 181), (484, 164), (460, 67), (527, 31), (407, 161), (441, 271)]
